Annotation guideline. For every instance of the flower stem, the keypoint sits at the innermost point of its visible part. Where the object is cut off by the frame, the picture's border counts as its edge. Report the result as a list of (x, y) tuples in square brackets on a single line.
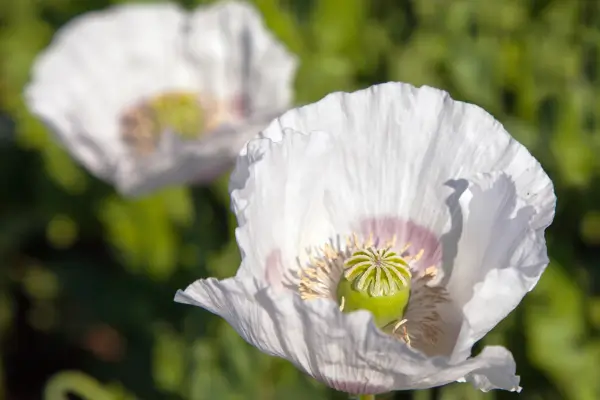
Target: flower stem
[(362, 397)]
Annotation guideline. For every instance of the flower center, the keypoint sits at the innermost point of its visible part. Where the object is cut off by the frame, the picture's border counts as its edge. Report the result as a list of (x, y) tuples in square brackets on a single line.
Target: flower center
[(380, 279), (377, 280), (178, 112), (380, 272)]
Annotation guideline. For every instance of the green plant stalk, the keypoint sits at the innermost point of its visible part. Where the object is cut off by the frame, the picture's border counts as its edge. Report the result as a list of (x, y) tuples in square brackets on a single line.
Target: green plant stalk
[(75, 382)]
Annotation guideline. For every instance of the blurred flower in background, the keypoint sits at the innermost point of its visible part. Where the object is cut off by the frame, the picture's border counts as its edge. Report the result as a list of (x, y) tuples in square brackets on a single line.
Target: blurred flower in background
[(149, 95), (420, 209)]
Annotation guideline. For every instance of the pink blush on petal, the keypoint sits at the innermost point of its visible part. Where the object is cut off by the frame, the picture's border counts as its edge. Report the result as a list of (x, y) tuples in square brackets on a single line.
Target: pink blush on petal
[(406, 231), (274, 269), (356, 388), (382, 229), (239, 107)]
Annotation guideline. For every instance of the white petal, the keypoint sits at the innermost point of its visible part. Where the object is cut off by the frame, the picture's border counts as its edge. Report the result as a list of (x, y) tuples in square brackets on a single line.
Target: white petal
[(494, 368), (391, 151), (230, 40), (98, 64), (237, 55), (500, 257), (400, 147), (234, 302), (396, 151), (345, 351), (104, 62), (281, 210), (499, 374)]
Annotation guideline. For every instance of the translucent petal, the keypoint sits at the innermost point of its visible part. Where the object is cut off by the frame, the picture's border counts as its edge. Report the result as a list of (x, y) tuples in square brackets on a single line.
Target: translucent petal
[(345, 351), (402, 148), (395, 153), (500, 257), (285, 212)]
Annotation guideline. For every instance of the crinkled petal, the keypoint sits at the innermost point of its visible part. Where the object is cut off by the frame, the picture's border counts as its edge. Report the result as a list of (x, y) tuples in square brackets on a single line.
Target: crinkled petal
[(100, 63), (498, 374), (238, 57), (395, 155), (396, 152), (234, 302), (500, 256), (103, 63), (400, 147), (345, 351), (286, 212), (235, 53)]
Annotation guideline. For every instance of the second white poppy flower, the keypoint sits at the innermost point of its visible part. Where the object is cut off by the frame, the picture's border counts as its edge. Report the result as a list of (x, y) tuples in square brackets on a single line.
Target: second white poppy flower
[(150, 95)]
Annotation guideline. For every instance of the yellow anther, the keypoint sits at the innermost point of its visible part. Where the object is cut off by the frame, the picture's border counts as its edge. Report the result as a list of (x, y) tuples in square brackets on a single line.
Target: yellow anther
[(392, 242), (431, 271), (398, 325), (370, 242), (418, 256), (329, 251), (405, 335), (406, 247)]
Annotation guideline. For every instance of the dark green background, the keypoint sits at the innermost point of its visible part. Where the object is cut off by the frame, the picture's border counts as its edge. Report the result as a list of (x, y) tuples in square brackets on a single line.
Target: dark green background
[(87, 278)]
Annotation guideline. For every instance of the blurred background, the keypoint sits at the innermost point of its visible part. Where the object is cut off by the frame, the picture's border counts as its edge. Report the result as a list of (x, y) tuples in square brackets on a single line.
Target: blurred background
[(87, 278)]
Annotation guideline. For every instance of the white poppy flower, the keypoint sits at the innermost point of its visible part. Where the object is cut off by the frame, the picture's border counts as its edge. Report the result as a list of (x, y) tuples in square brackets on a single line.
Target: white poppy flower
[(397, 200), (149, 95)]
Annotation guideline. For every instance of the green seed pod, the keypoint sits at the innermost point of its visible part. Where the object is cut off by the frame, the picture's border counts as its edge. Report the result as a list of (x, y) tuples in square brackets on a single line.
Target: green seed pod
[(180, 112), (377, 281)]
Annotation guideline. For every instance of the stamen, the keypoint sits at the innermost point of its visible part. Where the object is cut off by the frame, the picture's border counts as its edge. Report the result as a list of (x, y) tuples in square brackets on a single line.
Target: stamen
[(423, 323), (406, 247), (431, 271), (398, 325), (418, 256), (391, 243), (405, 335), (324, 271), (369, 242), (380, 280)]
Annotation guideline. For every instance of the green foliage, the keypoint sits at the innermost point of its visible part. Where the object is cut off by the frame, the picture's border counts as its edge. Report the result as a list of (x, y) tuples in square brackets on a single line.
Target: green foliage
[(82, 385), (91, 275)]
